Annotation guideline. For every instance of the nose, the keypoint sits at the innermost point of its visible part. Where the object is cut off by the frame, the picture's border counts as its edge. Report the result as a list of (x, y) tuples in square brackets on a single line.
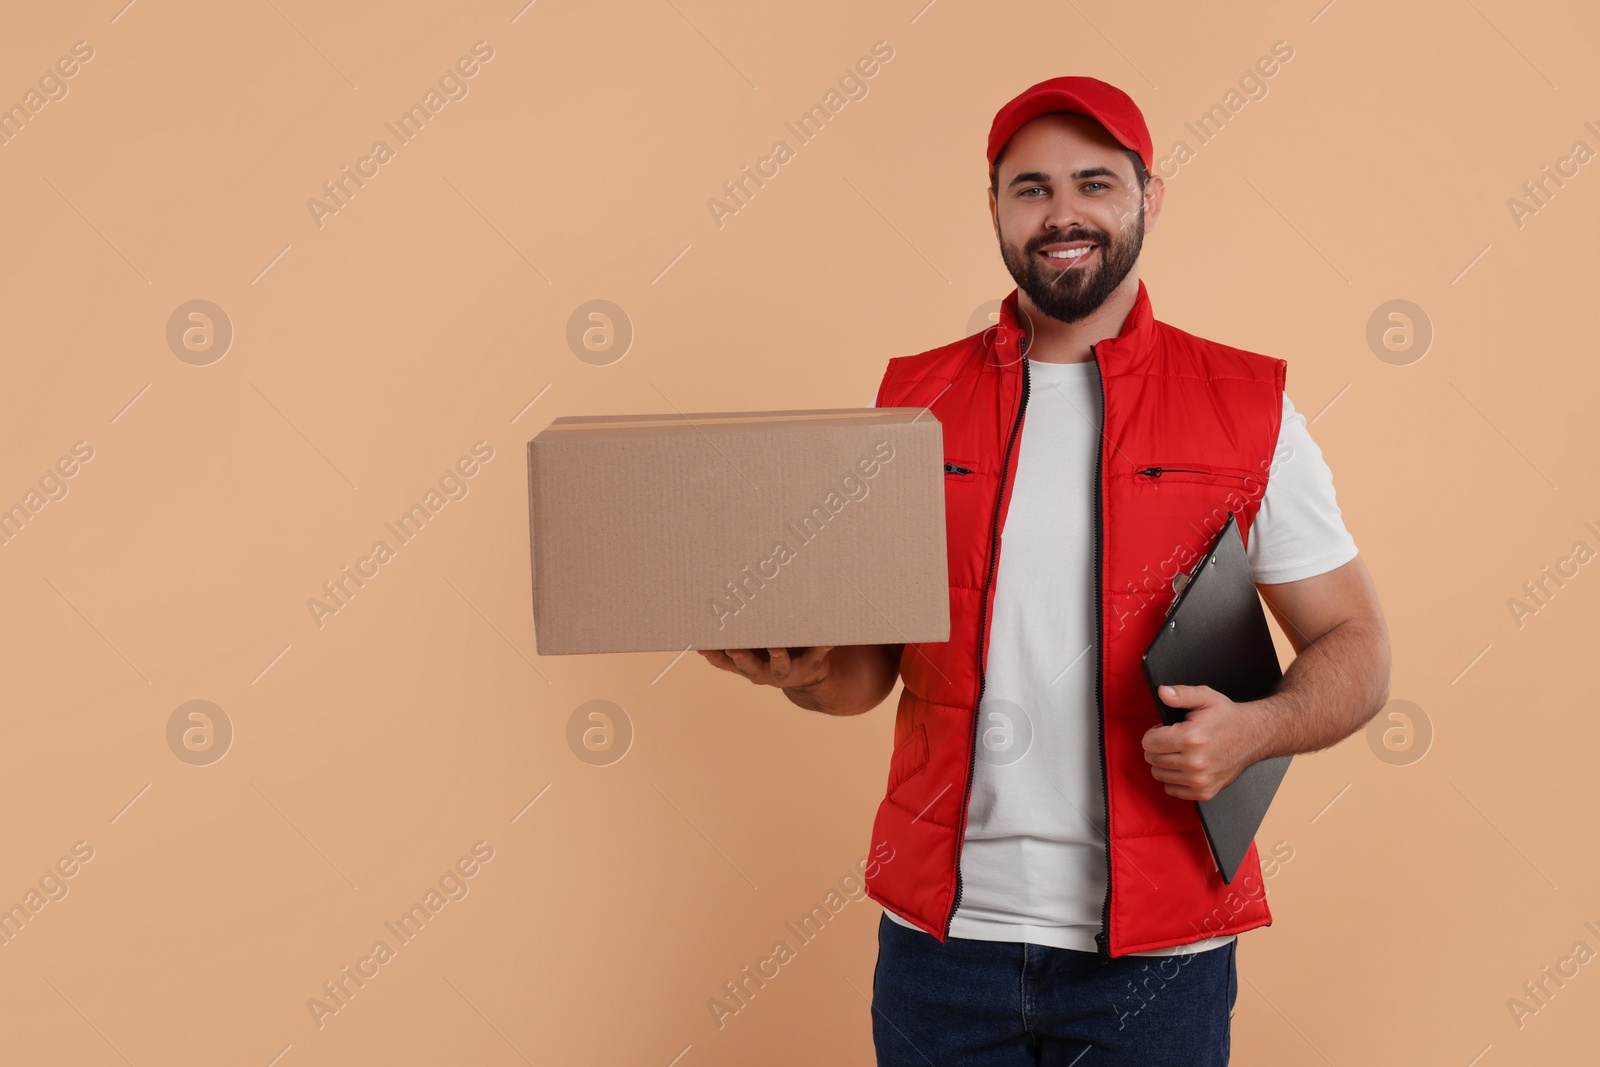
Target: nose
[(1066, 213)]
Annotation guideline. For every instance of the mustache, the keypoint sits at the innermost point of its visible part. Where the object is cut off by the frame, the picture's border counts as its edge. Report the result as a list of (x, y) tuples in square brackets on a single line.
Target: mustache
[(1098, 237)]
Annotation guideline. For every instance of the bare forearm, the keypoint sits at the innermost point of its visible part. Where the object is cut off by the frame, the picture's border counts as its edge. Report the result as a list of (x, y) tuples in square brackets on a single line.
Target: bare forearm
[(858, 678), (1333, 687)]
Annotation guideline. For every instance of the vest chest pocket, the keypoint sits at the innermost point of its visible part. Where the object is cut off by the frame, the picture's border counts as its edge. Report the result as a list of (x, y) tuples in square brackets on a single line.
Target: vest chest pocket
[(1249, 483), (1192, 471)]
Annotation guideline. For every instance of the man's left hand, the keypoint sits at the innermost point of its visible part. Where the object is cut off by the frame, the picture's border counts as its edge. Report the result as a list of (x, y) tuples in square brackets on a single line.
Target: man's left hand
[(1207, 750)]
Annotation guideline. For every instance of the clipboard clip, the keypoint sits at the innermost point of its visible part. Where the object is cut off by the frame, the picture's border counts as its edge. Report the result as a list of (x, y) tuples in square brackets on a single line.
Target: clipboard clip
[(1180, 581)]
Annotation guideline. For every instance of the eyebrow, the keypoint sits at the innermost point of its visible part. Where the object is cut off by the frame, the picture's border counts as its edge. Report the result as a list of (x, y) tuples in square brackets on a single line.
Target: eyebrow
[(1077, 175)]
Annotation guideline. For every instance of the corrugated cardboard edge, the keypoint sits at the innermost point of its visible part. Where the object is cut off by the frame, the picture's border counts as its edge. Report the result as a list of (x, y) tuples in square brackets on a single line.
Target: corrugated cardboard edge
[(701, 421), (533, 564)]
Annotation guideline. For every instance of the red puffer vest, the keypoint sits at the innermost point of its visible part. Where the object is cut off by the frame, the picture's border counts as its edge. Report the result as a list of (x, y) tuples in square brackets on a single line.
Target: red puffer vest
[(1188, 432)]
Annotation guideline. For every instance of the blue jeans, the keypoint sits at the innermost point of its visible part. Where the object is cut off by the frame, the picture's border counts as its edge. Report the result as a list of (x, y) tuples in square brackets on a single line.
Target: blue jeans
[(968, 1003)]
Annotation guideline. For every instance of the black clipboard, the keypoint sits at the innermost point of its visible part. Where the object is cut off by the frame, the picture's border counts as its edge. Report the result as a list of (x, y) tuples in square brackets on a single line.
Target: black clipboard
[(1215, 634)]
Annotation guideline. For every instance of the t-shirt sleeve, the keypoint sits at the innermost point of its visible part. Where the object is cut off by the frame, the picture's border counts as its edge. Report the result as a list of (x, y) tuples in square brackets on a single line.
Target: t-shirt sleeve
[(1298, 531)]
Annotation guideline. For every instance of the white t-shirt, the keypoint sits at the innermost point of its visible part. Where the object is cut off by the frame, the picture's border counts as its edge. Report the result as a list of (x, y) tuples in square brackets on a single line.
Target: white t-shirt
[(1033, 862)]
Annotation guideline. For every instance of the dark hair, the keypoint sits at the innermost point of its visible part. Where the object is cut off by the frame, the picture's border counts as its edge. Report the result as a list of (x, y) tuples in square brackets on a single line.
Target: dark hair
[(1139, 170)]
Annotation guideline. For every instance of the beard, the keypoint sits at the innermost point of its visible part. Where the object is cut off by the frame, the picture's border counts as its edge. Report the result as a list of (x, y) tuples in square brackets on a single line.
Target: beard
[(1072, 293)]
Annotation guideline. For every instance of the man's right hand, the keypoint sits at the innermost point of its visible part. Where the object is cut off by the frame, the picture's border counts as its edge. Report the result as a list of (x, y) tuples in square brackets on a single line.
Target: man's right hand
[(785, 668), (833, 679)]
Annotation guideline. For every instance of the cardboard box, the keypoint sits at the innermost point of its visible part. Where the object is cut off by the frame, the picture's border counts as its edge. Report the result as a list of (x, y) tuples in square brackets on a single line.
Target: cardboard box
[(761, 529)]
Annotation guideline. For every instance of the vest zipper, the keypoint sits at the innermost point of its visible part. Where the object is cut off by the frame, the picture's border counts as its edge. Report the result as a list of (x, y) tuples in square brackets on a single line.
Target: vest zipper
[(1103, 938), (951, 468), (983, 621)]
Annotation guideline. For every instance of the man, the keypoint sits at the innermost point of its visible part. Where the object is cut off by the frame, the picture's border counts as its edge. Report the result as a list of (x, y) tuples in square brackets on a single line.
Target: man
[(1053, 892)]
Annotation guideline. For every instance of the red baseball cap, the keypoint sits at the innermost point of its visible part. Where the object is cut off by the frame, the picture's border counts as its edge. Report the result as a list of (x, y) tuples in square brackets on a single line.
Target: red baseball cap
[(1106, 104)]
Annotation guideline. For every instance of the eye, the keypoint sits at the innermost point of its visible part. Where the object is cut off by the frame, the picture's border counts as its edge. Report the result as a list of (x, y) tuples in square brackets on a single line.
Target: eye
[(1102, 185), (1032, 189)]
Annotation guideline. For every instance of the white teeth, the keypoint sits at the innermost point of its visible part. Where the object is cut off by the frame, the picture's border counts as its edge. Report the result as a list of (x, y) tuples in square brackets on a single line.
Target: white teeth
[(1071, 253)]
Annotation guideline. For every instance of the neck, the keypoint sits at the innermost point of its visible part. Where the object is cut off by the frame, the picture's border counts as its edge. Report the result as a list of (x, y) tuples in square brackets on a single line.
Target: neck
[(1053, 341)]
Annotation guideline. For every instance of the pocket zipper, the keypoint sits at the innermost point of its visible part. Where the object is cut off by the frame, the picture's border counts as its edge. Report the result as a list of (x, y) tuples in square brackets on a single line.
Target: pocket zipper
[(1156, 472), (951, 468)]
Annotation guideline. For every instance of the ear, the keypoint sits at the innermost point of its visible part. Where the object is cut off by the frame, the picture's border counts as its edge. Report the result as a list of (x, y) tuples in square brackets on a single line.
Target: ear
[(994, 212), (1155, 192)]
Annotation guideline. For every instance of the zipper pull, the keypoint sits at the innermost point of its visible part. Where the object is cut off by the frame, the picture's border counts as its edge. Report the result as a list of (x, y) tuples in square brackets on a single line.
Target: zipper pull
[(1154, 472), (951, 468)]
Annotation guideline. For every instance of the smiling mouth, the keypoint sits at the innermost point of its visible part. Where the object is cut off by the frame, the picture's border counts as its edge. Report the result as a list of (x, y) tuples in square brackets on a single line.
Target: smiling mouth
[(1069, 257)]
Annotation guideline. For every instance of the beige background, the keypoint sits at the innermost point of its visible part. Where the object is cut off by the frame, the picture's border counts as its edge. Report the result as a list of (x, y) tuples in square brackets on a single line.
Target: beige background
[(368, 354)]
